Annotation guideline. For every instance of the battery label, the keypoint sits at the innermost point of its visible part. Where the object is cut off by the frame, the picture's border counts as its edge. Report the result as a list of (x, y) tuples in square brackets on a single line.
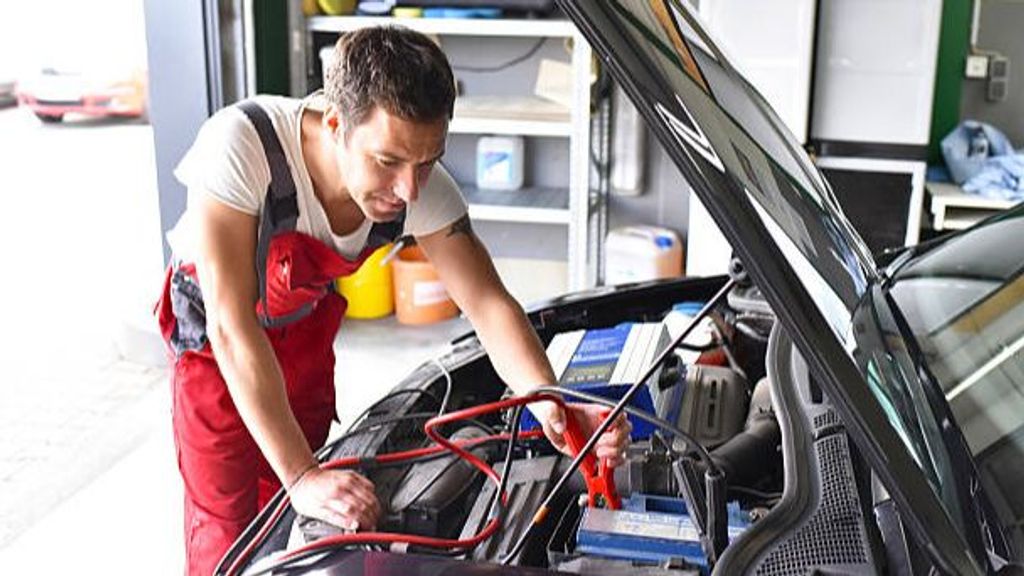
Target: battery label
[(640, 524)]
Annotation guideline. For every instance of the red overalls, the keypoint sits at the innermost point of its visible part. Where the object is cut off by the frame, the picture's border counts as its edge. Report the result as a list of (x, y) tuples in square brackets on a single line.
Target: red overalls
[(226, 478)]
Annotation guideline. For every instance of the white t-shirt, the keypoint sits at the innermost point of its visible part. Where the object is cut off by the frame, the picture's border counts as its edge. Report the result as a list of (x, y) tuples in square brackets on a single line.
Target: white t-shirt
[(227, 162)]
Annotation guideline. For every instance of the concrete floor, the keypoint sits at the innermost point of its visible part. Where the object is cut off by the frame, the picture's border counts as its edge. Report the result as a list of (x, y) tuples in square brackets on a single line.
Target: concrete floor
[(88, 481), (81, 254), (126, 518)]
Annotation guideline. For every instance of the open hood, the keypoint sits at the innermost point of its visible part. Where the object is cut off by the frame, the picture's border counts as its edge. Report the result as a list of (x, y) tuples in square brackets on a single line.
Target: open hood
[(783, 221)]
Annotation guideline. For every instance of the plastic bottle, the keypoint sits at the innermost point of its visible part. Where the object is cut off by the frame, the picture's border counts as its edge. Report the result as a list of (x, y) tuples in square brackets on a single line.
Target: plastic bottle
[(420, 297), (499, 162), (638, 253), (370, 291)]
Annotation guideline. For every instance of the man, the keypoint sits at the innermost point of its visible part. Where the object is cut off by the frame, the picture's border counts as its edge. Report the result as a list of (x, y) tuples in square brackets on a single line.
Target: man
[(282, 199)]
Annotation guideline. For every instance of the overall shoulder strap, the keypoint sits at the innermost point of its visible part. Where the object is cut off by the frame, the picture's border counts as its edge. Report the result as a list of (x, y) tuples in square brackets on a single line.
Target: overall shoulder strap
[(281, 207)]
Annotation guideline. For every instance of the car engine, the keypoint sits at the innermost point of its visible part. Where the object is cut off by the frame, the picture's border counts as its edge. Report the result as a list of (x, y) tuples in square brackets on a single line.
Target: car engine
[(705, 463)]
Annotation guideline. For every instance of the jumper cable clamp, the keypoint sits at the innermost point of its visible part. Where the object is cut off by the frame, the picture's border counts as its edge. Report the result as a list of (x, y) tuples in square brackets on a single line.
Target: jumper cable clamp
[(599, 477)]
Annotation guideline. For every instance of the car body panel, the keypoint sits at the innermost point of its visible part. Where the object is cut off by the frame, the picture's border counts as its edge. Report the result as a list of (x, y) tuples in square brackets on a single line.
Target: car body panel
[(963, 299)]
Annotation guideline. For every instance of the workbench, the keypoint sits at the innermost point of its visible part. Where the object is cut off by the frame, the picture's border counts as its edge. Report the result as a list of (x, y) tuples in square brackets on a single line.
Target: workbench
[(954, 209)]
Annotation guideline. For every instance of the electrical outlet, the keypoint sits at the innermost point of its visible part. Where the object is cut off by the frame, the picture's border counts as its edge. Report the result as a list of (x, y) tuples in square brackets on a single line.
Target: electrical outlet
[(977, 66), (997, 90), (998, 87), (999, 68)]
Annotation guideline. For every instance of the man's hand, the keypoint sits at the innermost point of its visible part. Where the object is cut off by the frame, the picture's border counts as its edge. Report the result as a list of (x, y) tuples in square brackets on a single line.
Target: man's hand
[(344, 499), (610, 446)]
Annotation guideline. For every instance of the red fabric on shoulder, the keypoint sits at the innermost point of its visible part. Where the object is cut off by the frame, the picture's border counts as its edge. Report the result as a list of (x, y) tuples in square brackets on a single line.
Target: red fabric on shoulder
[(300, 270)]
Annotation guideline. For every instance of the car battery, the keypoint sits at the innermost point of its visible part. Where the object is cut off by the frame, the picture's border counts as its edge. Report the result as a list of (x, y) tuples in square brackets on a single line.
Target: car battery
[(605, 362), (648, 528)]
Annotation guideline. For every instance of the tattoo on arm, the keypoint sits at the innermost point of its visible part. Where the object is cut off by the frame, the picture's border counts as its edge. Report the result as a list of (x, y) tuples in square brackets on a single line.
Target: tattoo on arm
[(461, 226)]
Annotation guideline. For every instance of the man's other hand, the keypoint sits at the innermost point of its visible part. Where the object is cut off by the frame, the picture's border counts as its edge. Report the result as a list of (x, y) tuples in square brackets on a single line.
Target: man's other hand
[(610, 446), (344, 499)]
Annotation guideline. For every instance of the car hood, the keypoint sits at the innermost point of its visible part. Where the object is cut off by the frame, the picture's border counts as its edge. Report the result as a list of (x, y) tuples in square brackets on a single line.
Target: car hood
[(783, 221)]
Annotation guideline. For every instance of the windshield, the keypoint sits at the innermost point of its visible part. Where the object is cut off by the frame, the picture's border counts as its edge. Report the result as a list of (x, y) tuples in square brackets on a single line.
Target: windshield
[(762, 188), (964, 302)]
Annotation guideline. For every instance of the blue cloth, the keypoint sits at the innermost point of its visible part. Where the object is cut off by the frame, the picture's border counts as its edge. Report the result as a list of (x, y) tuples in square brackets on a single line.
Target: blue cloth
[(1002, 178), (982, 161)]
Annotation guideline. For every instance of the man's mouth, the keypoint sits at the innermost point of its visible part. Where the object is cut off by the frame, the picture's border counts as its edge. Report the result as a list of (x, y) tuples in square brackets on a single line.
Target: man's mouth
[(391, 205)]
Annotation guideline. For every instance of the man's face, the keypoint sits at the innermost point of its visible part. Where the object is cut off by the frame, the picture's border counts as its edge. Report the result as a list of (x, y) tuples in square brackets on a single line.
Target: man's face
[(386, 160)]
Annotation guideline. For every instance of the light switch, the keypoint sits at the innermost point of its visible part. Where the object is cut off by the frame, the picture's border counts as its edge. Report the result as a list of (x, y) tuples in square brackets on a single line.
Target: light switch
[(977, 66)]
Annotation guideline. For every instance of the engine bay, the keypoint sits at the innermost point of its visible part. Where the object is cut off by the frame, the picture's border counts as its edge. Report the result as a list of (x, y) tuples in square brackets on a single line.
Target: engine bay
[(705, 463)]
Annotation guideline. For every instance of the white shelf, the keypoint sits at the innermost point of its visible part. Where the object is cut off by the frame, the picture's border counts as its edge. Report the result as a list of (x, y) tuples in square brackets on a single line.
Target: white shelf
[(509, 127), (450, 26), (954, 209), (527, 116), (531, 205)]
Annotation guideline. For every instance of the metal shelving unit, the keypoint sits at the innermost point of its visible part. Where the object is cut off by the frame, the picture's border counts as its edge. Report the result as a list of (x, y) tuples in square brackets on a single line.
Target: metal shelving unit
[(461, 125), (567, 207), (534, 205), (508, 27)]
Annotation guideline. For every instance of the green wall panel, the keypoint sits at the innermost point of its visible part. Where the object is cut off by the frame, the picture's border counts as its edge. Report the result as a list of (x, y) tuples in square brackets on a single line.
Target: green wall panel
[(271, 23), (954, 41)]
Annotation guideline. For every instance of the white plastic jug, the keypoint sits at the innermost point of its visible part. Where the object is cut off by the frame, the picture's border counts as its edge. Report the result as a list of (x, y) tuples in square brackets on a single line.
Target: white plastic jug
[(638, 253), (499, 162)]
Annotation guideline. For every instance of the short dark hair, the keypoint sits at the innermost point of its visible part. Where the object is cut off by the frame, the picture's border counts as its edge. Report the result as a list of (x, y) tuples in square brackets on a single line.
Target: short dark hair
[(393, 67)]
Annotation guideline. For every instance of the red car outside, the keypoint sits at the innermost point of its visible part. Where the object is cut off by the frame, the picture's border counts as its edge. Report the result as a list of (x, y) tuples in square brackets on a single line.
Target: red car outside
[(52, 94)]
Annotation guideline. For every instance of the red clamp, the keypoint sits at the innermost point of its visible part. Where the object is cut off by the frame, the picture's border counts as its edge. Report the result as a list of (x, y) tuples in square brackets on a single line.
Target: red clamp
[(599, 477)]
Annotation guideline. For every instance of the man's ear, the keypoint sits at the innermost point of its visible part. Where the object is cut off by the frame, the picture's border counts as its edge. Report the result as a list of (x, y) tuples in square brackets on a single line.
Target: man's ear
[(332, 120)]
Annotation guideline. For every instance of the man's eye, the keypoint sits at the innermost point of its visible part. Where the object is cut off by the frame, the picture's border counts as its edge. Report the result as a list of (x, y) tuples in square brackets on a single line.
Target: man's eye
[(387, 162)]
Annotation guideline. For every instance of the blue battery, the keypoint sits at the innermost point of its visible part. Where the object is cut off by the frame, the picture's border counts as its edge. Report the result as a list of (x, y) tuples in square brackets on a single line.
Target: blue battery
[(648, 529), (605, 362)]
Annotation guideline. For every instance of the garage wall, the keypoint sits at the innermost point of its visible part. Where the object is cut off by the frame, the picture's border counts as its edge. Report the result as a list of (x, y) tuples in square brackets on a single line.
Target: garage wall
[(196, 67), (665, 197), (954, 39), (179, 99), (1000, 30)]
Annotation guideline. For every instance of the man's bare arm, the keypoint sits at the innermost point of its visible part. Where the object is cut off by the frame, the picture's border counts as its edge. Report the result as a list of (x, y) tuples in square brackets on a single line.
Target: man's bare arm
[(227, 253), (468, 274), (254, 379), (516, 352)]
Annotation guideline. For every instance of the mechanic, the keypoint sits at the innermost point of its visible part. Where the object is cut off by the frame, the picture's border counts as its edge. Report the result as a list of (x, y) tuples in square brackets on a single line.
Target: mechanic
[(284, 196)]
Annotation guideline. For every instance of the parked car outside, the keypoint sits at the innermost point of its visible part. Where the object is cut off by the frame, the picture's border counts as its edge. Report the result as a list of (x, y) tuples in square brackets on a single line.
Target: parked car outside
[(845, 415), (7, 95), (52, 94)]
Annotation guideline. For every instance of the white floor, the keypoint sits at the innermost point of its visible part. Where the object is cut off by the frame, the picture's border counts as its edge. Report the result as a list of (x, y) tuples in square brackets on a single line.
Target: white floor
[(127, 520)]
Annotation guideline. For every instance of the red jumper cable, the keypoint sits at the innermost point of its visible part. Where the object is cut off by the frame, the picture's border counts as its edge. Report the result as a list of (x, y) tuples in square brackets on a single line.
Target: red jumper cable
[(458, 447)]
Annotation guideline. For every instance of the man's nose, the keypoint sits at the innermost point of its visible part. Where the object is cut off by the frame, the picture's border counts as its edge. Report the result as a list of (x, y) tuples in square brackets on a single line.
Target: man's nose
[(407, 185)]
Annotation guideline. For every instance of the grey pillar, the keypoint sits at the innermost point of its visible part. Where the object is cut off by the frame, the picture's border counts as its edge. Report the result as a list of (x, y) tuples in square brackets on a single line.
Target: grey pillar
[(186, 84)]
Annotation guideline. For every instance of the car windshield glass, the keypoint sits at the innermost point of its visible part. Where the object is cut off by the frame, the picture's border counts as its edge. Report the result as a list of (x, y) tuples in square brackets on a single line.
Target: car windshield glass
[(736, 140), (965, 303)]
